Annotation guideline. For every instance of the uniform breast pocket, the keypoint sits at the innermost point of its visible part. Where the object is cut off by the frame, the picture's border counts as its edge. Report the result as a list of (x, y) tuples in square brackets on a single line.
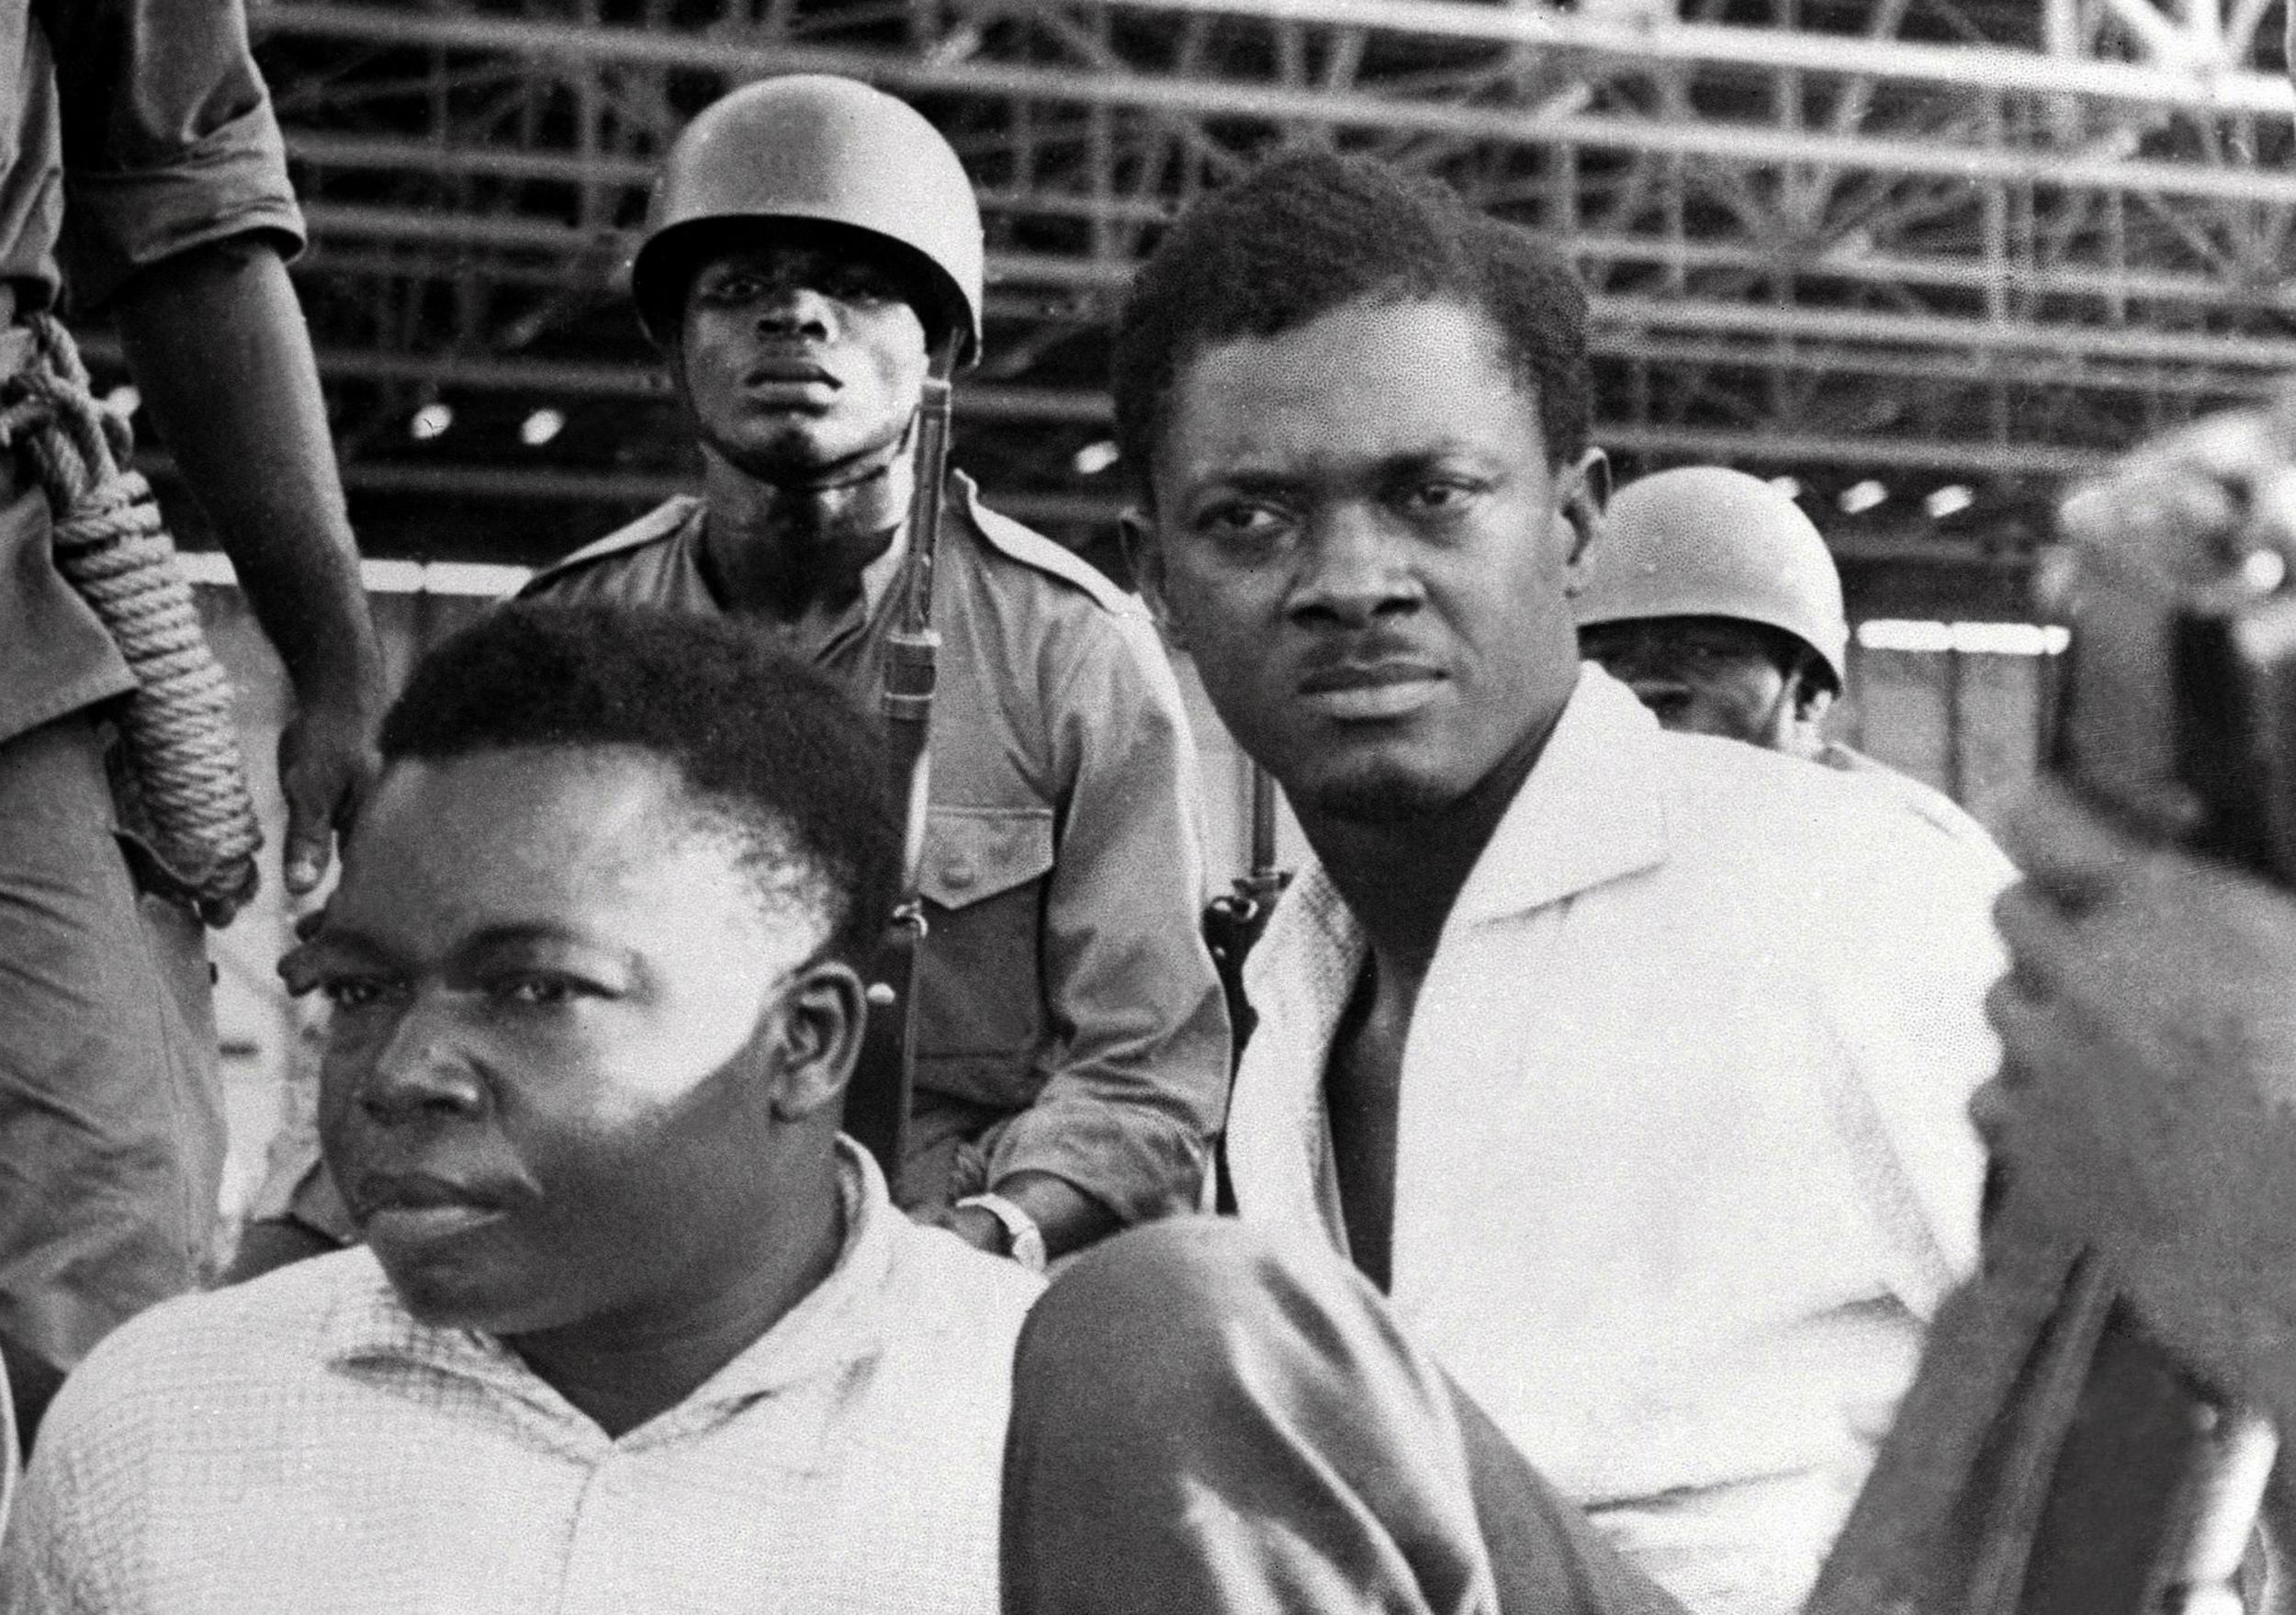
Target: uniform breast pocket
[(981, 1000)]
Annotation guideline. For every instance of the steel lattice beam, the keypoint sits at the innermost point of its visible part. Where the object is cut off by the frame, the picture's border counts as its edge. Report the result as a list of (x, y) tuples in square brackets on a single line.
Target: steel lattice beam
[(1881, 239)]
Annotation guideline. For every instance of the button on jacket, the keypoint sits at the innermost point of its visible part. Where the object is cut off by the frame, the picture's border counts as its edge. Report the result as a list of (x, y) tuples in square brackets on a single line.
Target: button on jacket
[(301, 1445), (1068, 1015), (1684, 1163)]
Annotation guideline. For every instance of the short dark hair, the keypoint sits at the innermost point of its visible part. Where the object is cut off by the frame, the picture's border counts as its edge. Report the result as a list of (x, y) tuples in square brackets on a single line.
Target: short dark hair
[(1314, 232), (769, 749)]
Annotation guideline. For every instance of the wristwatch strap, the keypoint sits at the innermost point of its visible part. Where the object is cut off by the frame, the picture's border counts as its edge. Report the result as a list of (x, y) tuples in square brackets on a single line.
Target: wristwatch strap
[(1024, 1241)]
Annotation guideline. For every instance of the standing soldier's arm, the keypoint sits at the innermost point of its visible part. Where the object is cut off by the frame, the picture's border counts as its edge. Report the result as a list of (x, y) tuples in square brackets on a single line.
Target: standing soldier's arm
[(178, 219), (1122, 1131)]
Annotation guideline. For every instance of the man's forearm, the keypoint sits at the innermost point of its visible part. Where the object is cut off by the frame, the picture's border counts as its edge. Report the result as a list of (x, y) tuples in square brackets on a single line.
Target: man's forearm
[(1069, 1218), (216, 341)]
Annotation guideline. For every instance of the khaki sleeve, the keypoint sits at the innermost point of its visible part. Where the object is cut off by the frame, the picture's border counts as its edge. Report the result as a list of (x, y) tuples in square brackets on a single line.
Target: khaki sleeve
[(1139, 1073), (169, 140)]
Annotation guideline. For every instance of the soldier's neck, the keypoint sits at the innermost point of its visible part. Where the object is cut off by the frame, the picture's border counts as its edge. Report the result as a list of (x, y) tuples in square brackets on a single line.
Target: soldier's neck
[(788, 549)]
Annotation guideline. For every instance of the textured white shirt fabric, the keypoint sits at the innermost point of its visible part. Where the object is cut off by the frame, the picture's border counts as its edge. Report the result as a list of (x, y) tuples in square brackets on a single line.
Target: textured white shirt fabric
[(302, 1445), (1684, 1163)]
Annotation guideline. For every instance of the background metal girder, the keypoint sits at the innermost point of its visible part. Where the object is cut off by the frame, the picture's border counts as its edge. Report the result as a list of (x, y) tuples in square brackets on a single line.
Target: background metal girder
[(1910, 242)]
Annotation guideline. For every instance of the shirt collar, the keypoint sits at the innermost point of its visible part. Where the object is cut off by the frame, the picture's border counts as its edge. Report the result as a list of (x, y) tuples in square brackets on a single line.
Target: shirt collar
[(1591, 810), (876, 580), (839, 1323)]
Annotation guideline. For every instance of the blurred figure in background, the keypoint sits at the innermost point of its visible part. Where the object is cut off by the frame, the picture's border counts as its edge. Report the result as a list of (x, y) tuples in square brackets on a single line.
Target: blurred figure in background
[(2150, 1016)]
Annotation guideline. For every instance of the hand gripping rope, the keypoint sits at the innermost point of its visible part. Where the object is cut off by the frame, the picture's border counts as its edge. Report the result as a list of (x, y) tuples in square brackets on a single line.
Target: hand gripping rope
[(111, 545)]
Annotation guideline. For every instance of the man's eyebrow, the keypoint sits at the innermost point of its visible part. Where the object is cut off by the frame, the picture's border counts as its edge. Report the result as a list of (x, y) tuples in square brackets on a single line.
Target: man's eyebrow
[(334, 943), (1249, 480), (299, 967), (513, 933), (1424, 455), (542, 934), (1376, 469)]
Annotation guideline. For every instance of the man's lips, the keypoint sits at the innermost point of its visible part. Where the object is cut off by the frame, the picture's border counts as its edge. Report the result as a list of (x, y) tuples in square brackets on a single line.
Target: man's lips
[(1355, 691), (418, 1207), (790, 373)]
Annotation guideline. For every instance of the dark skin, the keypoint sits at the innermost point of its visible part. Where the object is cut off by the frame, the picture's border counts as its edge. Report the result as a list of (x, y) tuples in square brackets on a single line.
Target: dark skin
[(802, 364), (1376, 600), (802, 369), (1402, 906), (1716, 675), (216, 341), (582, 1077)]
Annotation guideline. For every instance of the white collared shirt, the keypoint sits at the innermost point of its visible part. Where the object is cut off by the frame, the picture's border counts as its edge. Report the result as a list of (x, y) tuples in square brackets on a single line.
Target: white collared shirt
[(302, 1445), (1683, 1164)]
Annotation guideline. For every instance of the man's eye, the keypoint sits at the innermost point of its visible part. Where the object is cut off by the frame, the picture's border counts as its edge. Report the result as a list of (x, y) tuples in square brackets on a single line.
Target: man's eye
[(539, 992), (1444, 495), (858, 285), (1232, 522), (734, 288), (355, 992)]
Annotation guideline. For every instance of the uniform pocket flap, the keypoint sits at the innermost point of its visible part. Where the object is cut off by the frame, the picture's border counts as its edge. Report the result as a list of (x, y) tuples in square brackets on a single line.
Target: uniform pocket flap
[(973, 853)]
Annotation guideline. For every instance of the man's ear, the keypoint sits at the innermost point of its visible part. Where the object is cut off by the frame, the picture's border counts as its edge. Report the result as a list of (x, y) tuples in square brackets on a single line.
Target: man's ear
[(817, 1040), (1144, 555), (1582, 497), (670, 351), (1811, 698)]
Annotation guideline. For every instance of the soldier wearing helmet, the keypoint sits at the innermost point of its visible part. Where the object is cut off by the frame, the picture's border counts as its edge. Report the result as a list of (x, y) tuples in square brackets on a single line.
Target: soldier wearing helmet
[(814, 247), (1713, 597)]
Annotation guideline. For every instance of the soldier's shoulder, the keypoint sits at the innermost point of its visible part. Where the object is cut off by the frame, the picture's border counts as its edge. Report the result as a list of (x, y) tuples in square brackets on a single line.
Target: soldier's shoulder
[(657, 525), (1918, 799), (1067, 571), (1807, 818)]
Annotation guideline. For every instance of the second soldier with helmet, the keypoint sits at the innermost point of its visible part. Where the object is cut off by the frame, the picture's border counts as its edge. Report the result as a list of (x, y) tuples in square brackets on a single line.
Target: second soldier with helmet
[(1715, 600)]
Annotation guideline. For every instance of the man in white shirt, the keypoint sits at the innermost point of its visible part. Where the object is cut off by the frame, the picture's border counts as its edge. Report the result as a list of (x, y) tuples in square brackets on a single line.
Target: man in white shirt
[(633, 1329), (1632, 1065)]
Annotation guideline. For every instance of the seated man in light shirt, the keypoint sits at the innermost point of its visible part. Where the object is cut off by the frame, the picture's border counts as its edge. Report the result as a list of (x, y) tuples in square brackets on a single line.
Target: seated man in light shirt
[(632, 1327), (1632, 1065)]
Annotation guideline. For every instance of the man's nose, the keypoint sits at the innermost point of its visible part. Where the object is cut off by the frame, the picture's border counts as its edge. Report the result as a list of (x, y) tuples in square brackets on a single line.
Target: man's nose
[(420, 1070), (790, 310), (1357, 569), (1669, 700)]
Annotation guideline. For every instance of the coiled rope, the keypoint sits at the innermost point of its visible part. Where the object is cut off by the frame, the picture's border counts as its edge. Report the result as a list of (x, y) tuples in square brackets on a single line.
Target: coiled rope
[(111, 546)]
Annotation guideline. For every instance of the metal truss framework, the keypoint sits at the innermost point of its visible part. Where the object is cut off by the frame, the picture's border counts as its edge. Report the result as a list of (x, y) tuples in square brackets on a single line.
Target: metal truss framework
[(1921, 240)]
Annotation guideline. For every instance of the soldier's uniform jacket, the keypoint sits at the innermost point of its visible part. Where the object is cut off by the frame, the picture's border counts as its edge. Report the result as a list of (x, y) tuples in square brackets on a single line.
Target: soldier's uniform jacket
[(1068, 1018), (131, 131), (149, 119)]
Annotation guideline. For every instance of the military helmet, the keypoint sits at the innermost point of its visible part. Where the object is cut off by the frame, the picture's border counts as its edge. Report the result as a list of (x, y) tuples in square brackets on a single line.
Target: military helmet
[(1706, 541), (828, 150)]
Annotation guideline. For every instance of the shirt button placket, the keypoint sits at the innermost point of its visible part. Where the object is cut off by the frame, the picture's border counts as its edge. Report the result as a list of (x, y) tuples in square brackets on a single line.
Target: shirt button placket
[(597, 1547)]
